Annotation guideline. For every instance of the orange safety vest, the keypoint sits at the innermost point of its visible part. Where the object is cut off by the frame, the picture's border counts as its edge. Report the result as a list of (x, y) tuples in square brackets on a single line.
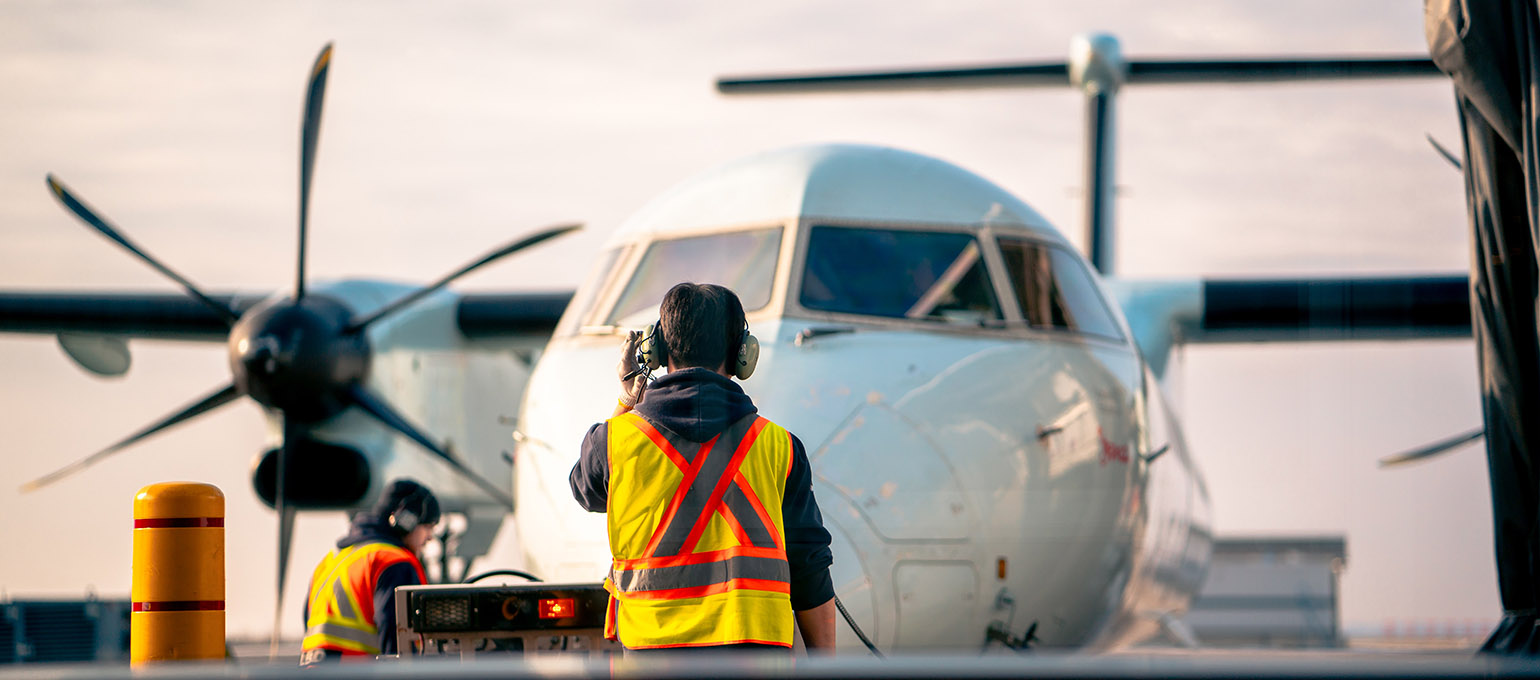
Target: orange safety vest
[(697, 536), (342, 597)]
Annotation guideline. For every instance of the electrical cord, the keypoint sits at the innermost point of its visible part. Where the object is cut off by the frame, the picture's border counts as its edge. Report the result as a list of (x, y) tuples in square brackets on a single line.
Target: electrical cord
[(503, 572), (841, 606)]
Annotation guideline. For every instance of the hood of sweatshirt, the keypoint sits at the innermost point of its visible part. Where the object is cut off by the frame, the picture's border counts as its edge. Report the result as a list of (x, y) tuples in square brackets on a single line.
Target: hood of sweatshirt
[(695, 403)]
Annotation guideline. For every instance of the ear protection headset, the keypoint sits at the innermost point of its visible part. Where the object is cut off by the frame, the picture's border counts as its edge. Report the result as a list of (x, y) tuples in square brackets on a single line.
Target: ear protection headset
[(653, 351), (402, 517)]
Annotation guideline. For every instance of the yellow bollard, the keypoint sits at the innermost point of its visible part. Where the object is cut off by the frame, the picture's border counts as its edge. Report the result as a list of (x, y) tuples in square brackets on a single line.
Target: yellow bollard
[(179, 573)]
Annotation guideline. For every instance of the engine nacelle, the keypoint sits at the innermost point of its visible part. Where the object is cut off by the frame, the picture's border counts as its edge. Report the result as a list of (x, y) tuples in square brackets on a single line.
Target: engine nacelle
[(318, 476)]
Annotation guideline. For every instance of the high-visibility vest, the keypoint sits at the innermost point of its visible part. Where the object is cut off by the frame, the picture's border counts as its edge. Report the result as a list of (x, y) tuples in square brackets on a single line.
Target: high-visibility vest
[(697, 536), (342, 597)]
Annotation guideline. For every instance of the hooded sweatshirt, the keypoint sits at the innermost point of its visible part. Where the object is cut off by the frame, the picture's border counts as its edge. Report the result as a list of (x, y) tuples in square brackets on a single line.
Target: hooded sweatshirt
[(698, 404), (371, 528)]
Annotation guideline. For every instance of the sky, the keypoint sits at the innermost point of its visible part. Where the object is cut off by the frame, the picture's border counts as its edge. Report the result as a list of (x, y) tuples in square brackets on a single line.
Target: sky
[(453, 127)]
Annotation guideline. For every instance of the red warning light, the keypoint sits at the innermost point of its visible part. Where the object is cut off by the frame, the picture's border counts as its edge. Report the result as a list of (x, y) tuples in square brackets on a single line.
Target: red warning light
[(561, 608)]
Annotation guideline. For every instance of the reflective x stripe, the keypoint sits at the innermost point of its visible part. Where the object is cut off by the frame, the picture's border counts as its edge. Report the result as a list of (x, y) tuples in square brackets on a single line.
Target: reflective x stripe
[(711, 480), (369, 641), (702, 575), (341, 596), (759, 535), (344, 601)]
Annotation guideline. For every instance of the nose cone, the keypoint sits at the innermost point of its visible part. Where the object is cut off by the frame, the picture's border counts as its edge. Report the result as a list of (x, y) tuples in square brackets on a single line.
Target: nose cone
[(295, 357)]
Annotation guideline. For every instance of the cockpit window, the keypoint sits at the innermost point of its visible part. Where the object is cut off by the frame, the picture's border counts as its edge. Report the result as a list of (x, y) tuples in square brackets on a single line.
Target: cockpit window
[(743, 261), (1055, 290), (583, 301), (937, 276)]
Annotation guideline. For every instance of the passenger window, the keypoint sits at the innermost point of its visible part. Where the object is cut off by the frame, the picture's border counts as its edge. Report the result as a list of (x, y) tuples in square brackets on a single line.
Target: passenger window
[(1055, 290), (583, 301), (743, 261), (902, 274)]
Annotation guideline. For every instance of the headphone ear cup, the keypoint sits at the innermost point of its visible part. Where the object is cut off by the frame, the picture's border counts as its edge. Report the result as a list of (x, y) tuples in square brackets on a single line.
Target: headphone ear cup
[(748, 356), (651, 348), (404, 520)]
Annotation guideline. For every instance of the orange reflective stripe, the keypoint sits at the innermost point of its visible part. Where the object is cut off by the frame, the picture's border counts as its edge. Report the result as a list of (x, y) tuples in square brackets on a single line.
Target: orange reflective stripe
[(759, 509), (612, 612), (715, 501), (659, 440), (679, 495), (717, 644), (697, 558), (791, 453), (713, 589), (737, 529)]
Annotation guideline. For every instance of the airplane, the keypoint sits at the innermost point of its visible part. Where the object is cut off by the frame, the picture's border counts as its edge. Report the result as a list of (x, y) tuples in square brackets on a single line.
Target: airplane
[(907, 309)]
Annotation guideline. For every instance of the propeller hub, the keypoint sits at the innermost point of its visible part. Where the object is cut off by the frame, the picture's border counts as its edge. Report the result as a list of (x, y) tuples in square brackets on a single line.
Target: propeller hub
[(296, 357)]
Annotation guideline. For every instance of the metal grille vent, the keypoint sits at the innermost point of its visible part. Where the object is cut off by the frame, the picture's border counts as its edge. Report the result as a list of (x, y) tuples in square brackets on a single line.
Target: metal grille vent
[(449, 613), (60, 631), (8, 635)]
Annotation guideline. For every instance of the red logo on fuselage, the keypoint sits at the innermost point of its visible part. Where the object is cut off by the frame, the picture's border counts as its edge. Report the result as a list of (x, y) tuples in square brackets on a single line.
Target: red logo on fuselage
[(1112, 453)]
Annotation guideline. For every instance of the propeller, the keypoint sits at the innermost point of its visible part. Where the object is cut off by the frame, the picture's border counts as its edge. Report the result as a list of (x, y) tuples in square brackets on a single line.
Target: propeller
[(305, 358), (1446, 153), (511, 248), (1434, 449), (89, 216), (310, 134), (214, 400)]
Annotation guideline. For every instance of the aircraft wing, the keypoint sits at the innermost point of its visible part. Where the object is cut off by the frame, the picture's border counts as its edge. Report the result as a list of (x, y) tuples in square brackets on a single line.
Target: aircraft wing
[(173, 316), (160, 316), (1165, 313), (93, 327)]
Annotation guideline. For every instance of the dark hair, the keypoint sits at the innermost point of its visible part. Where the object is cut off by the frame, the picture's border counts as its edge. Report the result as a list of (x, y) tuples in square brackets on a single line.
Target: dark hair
[(409, 495), (702, 324)]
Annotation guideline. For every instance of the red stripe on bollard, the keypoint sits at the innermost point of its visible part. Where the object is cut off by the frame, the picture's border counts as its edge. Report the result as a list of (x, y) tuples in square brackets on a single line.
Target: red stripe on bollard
[(179, 523), (181, 606)]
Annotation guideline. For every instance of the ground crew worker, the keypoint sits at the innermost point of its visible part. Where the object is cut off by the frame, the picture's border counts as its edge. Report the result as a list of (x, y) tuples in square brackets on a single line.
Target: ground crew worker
[(716, 537), (351, 611)]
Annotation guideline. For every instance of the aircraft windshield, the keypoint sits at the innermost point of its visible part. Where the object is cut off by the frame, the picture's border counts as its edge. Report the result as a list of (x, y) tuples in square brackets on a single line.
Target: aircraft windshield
[(743, 261), (1055, 290), (897, 273), (583, 301)]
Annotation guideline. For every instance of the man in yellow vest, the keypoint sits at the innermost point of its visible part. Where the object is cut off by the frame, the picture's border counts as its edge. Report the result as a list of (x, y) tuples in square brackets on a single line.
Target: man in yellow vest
[(716, 537), (351, 611)]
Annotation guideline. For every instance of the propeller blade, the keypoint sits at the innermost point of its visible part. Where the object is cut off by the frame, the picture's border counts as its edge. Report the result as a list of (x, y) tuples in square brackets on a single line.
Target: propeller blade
[(1453, 160), (382, 411), (285, 528), (1433, 449), (216, 399), (89, 216), (516, 246), (310, 134)]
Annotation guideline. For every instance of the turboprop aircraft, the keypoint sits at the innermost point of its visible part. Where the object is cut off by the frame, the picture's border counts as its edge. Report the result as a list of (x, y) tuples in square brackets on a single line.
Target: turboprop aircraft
[(991, 446)]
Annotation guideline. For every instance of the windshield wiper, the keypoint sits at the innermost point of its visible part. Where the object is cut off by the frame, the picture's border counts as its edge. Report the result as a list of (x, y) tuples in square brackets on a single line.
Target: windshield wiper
[(807, 334)]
